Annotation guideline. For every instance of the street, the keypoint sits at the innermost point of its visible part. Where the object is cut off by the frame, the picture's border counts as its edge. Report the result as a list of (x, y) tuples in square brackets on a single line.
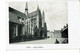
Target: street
[(42, 41)]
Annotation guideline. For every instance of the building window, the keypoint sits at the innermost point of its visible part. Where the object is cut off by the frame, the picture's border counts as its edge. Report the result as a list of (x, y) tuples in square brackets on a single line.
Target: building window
[(19, 18)]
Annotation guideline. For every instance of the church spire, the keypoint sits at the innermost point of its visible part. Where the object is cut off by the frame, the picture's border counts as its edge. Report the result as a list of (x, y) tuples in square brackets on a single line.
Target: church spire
[(43, 18), (43, 13), (38, 10), (26, 9)]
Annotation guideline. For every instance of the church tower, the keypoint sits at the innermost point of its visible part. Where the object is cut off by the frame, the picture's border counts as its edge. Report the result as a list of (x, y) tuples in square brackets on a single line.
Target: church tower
[(26, 27), (38, 10), (43, 16), (37, 16), (43, 19), (39, 19), (26, 9)]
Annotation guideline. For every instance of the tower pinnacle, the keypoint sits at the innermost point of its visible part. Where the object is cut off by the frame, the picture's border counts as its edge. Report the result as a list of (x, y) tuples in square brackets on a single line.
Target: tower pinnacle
[(26, 9)]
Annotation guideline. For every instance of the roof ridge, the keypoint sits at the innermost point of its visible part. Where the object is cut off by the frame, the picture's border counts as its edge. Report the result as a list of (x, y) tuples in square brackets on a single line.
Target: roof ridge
[(16, 10), (21, 14)]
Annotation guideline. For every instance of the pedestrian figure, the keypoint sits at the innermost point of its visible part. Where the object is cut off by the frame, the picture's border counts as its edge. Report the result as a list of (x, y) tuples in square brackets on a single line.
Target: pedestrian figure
[(56, 41)]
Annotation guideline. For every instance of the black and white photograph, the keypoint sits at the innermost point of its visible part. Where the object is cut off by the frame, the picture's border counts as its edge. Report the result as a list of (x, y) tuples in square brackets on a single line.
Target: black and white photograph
[(38, 22), (40, 26)]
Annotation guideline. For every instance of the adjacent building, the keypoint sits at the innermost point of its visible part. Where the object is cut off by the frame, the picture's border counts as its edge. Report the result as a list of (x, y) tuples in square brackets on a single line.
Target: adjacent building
[(57, 33), (64, 31), (15, 24), (50, 34)]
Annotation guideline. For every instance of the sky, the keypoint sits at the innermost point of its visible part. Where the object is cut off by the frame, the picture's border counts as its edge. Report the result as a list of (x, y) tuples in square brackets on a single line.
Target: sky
[(56, 12)]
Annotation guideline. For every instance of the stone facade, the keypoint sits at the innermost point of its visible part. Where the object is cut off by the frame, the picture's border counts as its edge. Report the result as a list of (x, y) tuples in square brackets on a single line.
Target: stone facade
[(15, 24), (57, 33), (35, 23), (27, 24)]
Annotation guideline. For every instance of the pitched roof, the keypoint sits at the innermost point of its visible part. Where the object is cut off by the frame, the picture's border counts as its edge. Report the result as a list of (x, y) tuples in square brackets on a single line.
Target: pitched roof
[(13, 15), (13, 18), (32, 14), (64, 28), (16, 12)]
